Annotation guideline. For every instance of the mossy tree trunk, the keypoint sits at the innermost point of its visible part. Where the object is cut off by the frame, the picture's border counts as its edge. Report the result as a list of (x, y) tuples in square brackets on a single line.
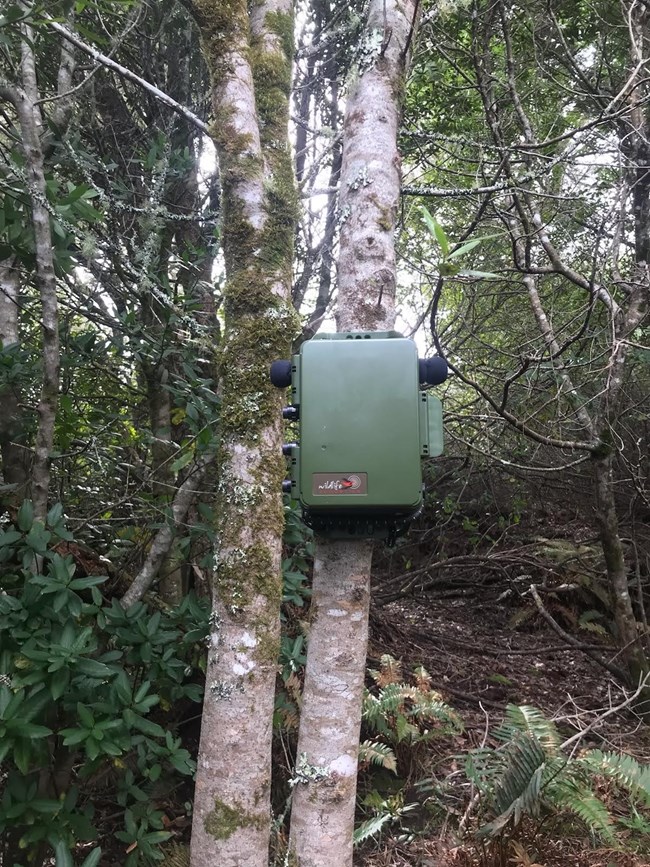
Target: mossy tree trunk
[(322, 817), (249, 56), (26, 100), (13, 448)]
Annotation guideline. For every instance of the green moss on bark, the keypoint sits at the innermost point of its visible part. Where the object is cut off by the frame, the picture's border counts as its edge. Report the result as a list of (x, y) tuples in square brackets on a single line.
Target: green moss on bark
[(260, 320), (282, 24), (222, 23), (222, 822), (251, 403)]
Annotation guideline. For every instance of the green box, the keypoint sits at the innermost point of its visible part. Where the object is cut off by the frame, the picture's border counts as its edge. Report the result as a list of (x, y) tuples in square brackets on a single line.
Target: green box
[(364, 426)]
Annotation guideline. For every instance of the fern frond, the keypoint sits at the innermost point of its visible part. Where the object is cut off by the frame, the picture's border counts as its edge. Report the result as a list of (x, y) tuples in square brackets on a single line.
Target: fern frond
[(530, 720), (529, 772), (517, 791), (288, 717), (371, 708), (370, 827), (431, 708), (482, 769), (293, 686), (587, 619), (392, 698), (520, 783), (378, 754), (391, 670), (623, 769), (405, 730), (578, 798), (422, 679)]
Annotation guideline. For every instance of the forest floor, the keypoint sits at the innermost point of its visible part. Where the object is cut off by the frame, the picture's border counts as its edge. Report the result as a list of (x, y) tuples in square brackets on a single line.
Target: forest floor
[(480, 662)]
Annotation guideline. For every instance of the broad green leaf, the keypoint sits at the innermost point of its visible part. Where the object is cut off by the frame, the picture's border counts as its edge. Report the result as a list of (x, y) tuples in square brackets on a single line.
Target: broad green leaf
[(9, 537), (89, 581), (93, 859), (155, 837), (49, 806), (465, 248), (147, 727), (63, 855), (93, 668), (38, 538), (59, 683), (73, 736), (437, 231), (55, 514), (31, 730), (183, 461), (25, 517), (85, 715), (22, 753), (143, 689)]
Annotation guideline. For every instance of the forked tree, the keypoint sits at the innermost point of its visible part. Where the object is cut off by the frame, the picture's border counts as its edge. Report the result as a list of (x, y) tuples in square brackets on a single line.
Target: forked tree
[(249, 55)]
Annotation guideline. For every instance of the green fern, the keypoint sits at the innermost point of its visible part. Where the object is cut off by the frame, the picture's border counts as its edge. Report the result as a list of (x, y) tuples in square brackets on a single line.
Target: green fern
[(370, 827), (390, 670), (391, 810), (378, 754), (528, 775), (405, 712), (568, 792), (372, 710), (586, 621), (625, 770), (524, 718), (518, 786)]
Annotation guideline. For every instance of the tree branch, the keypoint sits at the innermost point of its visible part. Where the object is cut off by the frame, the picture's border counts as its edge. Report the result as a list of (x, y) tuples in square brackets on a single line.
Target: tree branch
[(128, 74), (165, 536), (618, 673)]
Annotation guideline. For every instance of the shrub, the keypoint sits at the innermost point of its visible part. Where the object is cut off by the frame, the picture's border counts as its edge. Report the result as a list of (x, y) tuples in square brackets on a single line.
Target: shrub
[(81, 681)]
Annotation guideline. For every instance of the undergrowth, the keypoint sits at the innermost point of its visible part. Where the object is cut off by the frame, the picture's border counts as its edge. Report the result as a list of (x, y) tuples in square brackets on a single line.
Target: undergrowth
[(89, 705)]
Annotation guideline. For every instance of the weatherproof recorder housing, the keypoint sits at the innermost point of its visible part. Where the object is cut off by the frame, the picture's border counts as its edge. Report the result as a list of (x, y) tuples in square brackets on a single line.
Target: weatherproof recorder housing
[(364, 423)]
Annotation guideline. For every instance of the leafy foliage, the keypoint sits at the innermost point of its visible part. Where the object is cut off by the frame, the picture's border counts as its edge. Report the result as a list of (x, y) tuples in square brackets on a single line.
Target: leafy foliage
[(403, 718), (296, 565), (528, 774), (87, 691), (406, 712)]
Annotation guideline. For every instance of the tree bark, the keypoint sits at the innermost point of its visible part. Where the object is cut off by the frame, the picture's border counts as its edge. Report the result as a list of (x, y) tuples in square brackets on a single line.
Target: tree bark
[(15, 454), (25, 101), (610, 539), (162, 543), (322, 816), (249, 56)]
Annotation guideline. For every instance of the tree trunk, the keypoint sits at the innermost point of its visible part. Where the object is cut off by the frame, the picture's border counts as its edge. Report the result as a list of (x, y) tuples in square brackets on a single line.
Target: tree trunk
[(15, 454), (164, 538), (628, 636), (25, 101), (249, 56), (322, 816)]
